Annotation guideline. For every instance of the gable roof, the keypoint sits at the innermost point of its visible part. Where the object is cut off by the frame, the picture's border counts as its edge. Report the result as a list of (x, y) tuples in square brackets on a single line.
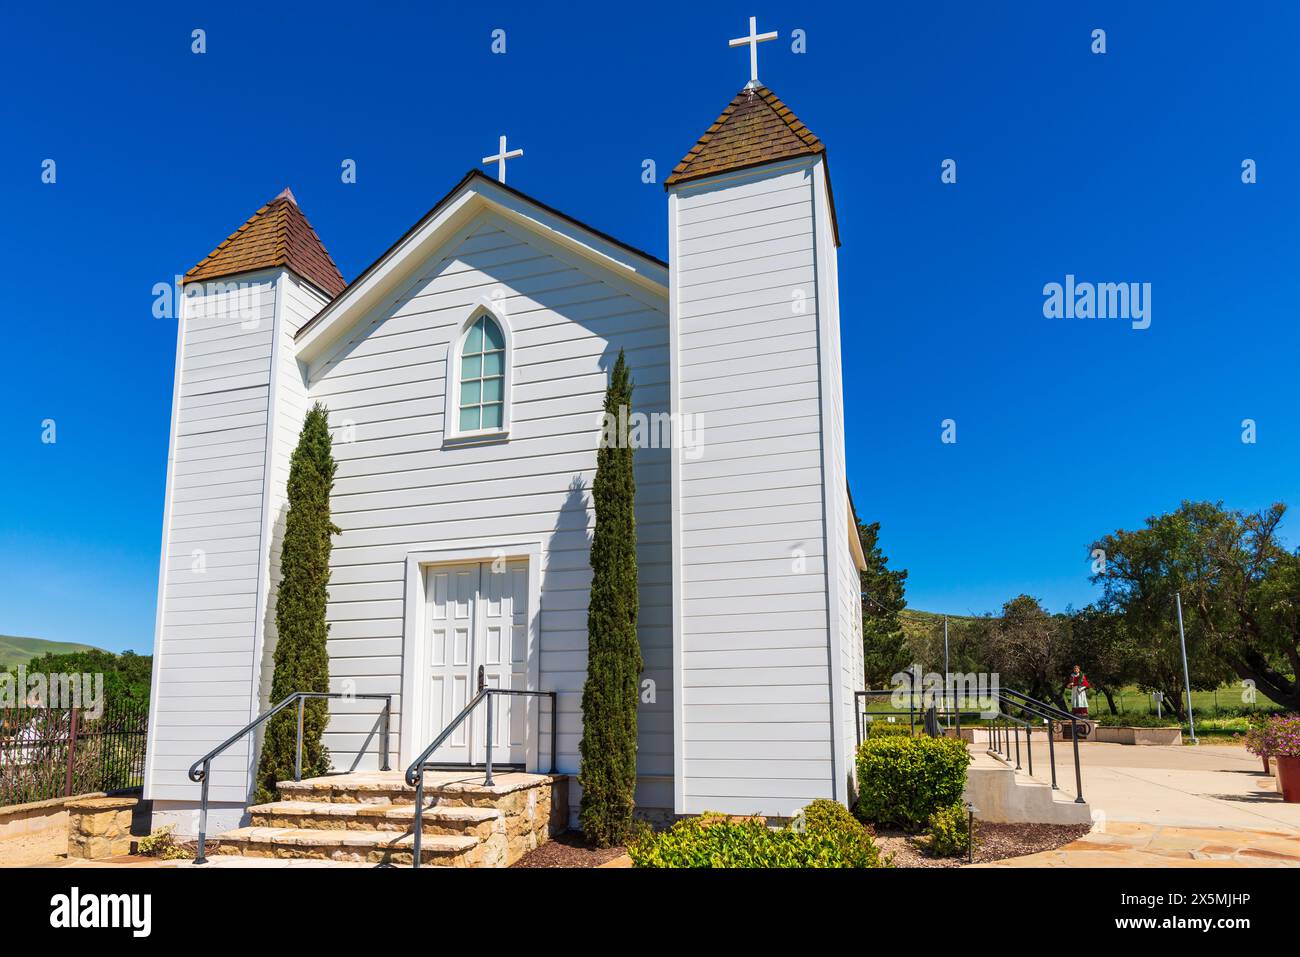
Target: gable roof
[(755, 128), (477, 191), (278, 234)]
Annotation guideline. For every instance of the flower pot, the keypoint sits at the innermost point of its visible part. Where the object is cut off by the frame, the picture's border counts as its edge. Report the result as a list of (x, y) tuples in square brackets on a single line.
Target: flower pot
[(1265, 757), (1288, 777)]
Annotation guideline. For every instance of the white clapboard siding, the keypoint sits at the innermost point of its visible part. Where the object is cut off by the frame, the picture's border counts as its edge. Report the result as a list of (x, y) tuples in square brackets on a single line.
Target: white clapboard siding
[(755, 697), (301, 302), (846, 588), (204, 654), (398, 490)]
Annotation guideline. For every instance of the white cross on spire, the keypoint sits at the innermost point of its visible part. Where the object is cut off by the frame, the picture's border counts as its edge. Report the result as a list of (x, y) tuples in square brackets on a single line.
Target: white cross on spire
[(500, 159), (752, 41)]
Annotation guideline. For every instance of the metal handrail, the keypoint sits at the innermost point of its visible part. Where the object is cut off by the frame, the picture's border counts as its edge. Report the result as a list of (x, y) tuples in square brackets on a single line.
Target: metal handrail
[(415, 773), (1050, 712), (1004, 732), (201, 770)]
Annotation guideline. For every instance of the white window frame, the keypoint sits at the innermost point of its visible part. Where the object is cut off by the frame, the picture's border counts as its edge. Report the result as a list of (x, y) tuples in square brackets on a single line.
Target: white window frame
[(451, 413)]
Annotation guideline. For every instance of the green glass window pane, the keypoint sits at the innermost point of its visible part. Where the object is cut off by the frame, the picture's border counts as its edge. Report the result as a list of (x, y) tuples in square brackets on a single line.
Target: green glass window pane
[(469, 393), (491, 390), (493, 363), (474, 340), (492, 416), (492, 337), (469, 419), (471, 367)]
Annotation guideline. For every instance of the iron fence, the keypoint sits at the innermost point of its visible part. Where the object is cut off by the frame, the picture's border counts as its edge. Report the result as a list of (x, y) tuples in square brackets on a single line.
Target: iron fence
[(58, 752)]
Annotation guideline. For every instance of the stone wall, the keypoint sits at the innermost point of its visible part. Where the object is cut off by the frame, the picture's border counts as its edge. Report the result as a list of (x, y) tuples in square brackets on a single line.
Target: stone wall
[(34, 833), (100, 827)]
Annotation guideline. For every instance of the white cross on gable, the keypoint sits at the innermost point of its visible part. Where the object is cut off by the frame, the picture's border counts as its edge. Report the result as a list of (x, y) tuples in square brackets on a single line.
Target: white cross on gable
[(500, 159), (752, 41)]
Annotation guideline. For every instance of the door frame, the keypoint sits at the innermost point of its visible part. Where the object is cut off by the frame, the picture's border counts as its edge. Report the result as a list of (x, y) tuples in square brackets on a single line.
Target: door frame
[(414, 702)]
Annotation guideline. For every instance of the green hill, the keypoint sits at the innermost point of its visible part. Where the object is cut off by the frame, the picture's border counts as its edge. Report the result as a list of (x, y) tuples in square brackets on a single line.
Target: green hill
[(15, 651), (920, 623)]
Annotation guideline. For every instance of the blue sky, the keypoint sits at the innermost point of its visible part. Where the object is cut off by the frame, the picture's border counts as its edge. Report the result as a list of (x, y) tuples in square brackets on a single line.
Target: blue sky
[(1117, 167)]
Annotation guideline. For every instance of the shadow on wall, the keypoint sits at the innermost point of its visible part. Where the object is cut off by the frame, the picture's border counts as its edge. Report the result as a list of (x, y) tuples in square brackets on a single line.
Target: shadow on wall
[(569, 555)]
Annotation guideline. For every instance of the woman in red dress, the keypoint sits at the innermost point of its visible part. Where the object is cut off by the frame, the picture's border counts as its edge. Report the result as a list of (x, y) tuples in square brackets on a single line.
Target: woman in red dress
[(1078, 692)]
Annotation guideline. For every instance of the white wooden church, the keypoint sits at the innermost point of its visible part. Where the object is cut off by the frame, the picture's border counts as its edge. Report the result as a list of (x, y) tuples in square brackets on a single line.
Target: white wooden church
[(464, 373)]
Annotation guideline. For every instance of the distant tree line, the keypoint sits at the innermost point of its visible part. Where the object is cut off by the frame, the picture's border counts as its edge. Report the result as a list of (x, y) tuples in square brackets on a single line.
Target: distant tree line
[(126, 676), (1240, 590)]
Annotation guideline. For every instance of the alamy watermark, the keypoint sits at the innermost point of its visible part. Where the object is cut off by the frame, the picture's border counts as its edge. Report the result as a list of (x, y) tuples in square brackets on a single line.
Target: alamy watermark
[(653, 430), (967, 691), (1130, 301), (38, 690), (219, 300)]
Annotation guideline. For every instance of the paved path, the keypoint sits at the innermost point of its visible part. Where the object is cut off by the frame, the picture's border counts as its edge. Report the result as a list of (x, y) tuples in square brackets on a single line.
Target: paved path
[(1208, 805)]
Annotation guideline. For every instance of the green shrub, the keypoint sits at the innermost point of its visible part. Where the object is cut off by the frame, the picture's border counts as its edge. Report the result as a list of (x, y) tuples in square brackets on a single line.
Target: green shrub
[(902, 781), (1131, 720), (1223, 725), (884, 729), (162, 843), (824, 834), (948, 832)]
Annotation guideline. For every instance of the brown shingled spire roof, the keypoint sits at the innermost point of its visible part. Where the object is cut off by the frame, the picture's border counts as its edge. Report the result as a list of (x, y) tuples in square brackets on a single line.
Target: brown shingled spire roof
[(278, 234), (755, 128)]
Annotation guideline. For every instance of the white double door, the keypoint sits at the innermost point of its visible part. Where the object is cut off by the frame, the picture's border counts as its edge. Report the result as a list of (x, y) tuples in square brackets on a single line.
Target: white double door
[(478, 619)]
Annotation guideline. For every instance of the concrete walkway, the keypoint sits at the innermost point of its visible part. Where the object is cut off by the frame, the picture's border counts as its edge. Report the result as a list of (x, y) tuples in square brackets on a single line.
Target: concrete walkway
[(1208, 805)]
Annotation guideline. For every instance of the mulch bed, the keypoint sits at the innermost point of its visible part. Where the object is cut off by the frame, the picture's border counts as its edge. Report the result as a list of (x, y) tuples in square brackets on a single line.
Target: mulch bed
[(994, 842), (569, 849)]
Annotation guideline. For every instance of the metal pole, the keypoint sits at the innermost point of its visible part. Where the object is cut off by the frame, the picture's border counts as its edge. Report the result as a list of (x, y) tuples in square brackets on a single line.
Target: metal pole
[(297, 754), (1182, 640), (487, 781), (419, 819), (554, 732), (201, 857), (384, 764), (72, 752), (970, 835), (911, 700), (1015, 729), (1051, 752), (1029, 744), (945, 660), (1078, 774)]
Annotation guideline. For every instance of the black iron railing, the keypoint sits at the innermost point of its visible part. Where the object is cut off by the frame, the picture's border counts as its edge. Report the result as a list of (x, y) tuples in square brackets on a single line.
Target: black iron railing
[(415, 773), (200, 770), (1011, 712), (56, 752)]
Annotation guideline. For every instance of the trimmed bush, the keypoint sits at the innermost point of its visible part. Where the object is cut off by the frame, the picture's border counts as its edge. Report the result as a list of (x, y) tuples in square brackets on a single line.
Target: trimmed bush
[(902, 781), (948, 832), (1134, 721), (824, 834), (883, 729)]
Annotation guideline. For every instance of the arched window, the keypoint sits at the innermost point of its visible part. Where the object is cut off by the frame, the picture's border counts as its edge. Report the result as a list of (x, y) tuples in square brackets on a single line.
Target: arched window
[(481, 395)]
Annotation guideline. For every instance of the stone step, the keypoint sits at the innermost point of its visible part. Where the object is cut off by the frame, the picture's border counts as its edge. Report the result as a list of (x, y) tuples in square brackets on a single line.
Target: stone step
[(340, 816), (373, 847), (441, 788)]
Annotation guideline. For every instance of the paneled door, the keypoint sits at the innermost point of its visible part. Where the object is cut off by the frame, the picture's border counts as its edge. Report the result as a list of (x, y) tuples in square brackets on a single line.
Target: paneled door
[(478, 617)]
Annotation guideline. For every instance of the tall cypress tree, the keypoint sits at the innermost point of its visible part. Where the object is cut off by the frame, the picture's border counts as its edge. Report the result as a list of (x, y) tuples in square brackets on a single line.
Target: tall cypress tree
[(301, 658), (609, 697)]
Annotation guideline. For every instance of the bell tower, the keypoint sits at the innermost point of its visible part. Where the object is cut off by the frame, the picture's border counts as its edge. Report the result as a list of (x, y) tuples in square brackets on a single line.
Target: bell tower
[(767, 612)]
